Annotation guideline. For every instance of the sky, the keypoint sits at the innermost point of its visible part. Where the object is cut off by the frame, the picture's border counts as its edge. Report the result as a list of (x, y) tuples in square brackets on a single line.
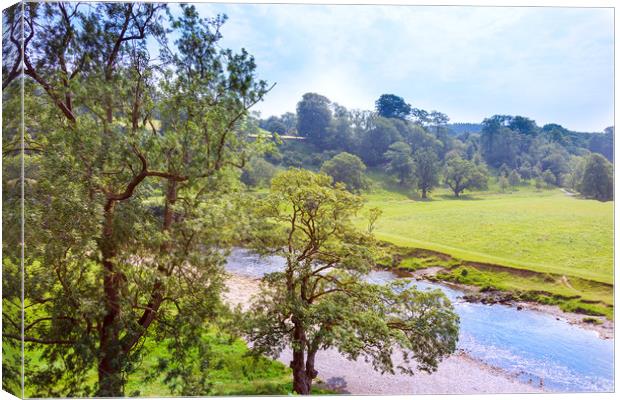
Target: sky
[(549, 64)]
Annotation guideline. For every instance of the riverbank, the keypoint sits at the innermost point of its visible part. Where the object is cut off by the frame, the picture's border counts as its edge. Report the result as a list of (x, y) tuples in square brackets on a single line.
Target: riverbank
[(458, 374), (475, 294), (585, 303)]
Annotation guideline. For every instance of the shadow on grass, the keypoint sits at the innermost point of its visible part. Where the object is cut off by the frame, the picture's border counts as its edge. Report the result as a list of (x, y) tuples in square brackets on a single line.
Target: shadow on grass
[(461, 197)]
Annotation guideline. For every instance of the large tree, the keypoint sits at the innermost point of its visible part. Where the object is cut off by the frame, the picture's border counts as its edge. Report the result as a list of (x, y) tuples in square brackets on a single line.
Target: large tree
[(426, 170), (376, 140), (321, 300), (598, 178), (392, 106), (314, 117), (400, 162), (347, 169), (131, 166), (460, 175)]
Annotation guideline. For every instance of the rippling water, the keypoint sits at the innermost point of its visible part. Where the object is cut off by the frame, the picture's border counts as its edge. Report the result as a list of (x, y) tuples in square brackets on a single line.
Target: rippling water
[(533, 346)]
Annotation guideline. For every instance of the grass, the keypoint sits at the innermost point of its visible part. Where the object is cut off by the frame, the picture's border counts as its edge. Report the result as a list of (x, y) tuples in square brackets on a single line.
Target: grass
[(544, 231), (570, 294), (231, 371)]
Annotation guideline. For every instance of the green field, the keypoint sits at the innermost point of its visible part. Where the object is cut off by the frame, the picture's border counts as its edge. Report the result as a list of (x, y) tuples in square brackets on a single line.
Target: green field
[(545, 231)]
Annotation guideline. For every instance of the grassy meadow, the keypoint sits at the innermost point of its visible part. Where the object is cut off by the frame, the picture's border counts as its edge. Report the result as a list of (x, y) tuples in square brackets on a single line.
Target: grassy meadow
[(543, 231), (566, 241)]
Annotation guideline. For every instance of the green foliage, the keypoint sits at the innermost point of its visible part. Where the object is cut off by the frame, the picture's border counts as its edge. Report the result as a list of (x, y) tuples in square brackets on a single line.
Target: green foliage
[(503, 183), (400, 162), (313, 118), (603, 143), (581, 296), (375, 141), (514, 179), (461, 175), (598, 179), (392, 106), (321, 301), (347, 169), (120, 204), (426, 170), (549, 178), (258, 172)]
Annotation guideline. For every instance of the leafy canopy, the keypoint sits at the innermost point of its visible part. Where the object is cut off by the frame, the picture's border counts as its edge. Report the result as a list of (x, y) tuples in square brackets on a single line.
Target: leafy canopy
[(322, 300)]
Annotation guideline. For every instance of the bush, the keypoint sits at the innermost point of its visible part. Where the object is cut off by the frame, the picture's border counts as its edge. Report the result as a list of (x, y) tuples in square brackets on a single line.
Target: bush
[(514, 178), (348, 169), (549, 178), (258, 172)]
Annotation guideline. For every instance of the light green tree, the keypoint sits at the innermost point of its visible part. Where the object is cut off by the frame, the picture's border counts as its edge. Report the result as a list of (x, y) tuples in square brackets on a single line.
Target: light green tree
[(461, 175), (348, 169), (321, 300)]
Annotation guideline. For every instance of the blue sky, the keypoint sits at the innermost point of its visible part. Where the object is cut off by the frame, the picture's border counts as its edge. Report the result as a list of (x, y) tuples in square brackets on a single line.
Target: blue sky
[(550, 64)]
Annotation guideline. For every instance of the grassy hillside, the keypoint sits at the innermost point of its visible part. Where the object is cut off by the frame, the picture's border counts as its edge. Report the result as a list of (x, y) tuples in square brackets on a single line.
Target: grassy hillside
[(543, 231)]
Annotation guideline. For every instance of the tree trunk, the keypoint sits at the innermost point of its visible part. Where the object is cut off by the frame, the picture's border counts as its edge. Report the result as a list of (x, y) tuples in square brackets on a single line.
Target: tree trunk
[(302, 379), (423, 193), (110, 352)]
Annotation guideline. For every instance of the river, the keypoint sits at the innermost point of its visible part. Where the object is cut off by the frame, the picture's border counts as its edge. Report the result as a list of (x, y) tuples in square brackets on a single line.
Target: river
[(532, 346)]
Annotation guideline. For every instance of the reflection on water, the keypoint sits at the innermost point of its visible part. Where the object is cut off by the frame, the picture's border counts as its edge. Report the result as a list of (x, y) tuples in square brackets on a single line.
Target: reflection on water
[(530, 345)]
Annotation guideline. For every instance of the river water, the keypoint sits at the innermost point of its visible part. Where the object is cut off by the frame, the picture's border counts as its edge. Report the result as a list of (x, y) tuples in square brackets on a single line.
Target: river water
[(533, 346)]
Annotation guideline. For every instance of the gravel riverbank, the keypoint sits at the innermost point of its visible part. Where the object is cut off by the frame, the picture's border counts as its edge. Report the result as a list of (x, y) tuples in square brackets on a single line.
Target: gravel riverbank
[(458, 374)]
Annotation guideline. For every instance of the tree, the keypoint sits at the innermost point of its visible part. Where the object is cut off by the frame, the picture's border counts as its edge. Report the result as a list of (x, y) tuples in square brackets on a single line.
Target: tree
[(503, 183), (313, 118), (400, 161), (392, 106), (598, 178), (514, 178), (347, 169), (499, 144), (426, 170), (340, 135), (461, 175), (421, 116), (321, 300), (603, 143), (549, 178), (129, 216), (375, 141), (257, 172), (274, 125)]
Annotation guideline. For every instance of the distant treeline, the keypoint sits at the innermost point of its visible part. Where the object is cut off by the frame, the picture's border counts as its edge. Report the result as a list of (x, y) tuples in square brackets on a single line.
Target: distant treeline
[(503, 143), (457, 128)]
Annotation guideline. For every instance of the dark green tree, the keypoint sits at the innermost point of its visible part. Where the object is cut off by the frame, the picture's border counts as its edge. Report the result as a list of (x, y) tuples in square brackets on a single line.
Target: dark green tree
[(400, 162), (128, 213), (514, 178), (314, 117), (374, 142), (603, 143), (549, 178), (258, 172), (392, 106), (598, 178)]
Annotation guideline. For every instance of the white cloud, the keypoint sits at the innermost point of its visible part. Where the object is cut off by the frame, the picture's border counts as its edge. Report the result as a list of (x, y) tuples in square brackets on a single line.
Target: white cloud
[(470, 62)]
